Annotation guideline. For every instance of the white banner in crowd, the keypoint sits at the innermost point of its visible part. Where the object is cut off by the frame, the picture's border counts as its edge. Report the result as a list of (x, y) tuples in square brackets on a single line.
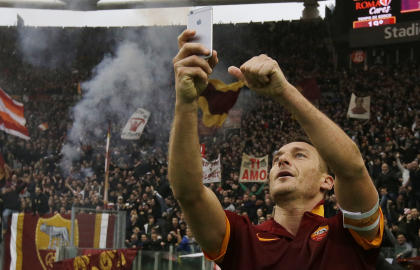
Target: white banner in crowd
[(135, 125), (212, 171), (254, 169), (359, 107)]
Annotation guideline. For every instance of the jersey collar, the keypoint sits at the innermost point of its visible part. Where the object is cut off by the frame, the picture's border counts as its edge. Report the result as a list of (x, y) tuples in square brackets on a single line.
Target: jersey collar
[(319, 209), (272, 226)]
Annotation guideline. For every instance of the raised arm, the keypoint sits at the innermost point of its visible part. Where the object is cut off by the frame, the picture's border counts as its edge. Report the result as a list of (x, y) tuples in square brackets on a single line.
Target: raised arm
[(70, 188), (203, 212), (354, 188), (400, 166)]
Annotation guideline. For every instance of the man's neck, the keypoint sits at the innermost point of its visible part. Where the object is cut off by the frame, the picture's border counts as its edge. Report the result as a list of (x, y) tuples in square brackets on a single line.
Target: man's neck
[(290, 215)]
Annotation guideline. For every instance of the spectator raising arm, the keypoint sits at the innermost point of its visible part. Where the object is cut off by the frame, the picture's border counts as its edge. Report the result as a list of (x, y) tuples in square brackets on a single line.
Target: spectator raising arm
[(404, 172), (402, 249), (203, 212)]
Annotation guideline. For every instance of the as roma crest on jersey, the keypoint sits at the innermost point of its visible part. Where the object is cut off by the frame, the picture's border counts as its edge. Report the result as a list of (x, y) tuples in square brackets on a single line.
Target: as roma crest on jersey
[(51, 233), (320, 233)]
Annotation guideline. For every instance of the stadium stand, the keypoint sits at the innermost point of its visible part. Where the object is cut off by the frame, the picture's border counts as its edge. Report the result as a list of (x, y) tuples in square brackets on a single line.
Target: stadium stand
[(389, 141)]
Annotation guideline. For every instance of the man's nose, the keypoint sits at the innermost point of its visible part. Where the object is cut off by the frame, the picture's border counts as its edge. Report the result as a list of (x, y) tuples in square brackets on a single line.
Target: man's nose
[(283, 160)]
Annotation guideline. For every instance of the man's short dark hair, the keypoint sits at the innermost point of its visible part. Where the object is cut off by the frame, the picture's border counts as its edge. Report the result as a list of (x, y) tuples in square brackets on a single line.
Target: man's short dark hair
[(305, 139), (301, 138)]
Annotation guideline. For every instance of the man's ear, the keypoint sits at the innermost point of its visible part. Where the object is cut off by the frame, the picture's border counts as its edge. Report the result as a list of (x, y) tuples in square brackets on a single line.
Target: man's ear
[(327, 182)]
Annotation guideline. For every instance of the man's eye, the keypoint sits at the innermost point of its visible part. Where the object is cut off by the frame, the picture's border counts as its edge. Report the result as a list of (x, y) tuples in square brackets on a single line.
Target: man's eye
[(299, 155)]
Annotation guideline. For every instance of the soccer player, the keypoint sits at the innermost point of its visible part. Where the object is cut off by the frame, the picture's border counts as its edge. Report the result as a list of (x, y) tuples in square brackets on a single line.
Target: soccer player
[(298, 236)]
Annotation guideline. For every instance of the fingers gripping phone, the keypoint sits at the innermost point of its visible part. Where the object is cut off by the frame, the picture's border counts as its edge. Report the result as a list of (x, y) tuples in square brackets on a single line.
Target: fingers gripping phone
[(201, 20)]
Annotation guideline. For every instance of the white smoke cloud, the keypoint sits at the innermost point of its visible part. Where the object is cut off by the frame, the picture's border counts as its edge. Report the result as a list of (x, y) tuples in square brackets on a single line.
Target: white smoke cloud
[(46, 47), (135, 76)]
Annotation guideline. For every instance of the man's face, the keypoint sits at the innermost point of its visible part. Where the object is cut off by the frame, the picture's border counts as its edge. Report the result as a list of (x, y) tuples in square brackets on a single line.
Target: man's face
[(384, 168), (401, 239), (413, 165), (143, 238), (414, 213), (189, 233), (226, 200), (296, 172), (383, 191), (175, 221), (134, 237)]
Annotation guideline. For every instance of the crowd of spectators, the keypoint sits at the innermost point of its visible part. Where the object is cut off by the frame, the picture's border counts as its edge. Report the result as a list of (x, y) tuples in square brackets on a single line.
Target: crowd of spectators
[(389, 141)]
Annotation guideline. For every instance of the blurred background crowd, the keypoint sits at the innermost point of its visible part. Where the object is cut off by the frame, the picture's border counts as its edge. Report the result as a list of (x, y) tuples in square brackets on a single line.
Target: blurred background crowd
[(36, 183)]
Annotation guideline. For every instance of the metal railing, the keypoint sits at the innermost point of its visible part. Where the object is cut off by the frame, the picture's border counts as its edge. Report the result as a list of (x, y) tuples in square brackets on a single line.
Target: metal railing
[(152, 260), (157, 260)]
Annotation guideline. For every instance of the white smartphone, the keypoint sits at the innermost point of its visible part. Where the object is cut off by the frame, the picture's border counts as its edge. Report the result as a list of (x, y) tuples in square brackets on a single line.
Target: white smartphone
[(201, 20)]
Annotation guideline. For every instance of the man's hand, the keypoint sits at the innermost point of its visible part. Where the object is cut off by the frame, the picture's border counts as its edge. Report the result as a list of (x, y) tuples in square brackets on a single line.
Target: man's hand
[(191, 71), (262, 74)]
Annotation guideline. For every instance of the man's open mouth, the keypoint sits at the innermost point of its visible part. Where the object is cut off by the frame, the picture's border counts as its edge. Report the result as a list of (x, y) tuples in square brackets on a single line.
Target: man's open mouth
[(284, 174)]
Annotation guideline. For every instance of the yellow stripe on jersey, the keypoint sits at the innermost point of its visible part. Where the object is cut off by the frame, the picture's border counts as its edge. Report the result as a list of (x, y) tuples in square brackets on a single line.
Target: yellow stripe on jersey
[(318, 210)]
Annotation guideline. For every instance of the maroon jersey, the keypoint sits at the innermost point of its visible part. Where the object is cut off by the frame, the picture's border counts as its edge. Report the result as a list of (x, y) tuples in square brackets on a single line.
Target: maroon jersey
[(320, 243)]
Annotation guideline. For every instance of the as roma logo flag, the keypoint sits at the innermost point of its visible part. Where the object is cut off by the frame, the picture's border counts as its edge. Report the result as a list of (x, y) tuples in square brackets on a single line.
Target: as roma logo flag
[(135, 125), (51, 233), (30, 241)]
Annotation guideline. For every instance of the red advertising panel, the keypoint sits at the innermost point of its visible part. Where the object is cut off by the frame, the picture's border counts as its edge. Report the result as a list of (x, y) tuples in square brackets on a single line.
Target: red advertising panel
[(374, 22), (373, 13)]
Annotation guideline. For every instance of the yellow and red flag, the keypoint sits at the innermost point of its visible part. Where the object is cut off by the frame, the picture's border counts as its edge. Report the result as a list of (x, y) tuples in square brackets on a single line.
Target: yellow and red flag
[(216, 101), (119, 259)]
